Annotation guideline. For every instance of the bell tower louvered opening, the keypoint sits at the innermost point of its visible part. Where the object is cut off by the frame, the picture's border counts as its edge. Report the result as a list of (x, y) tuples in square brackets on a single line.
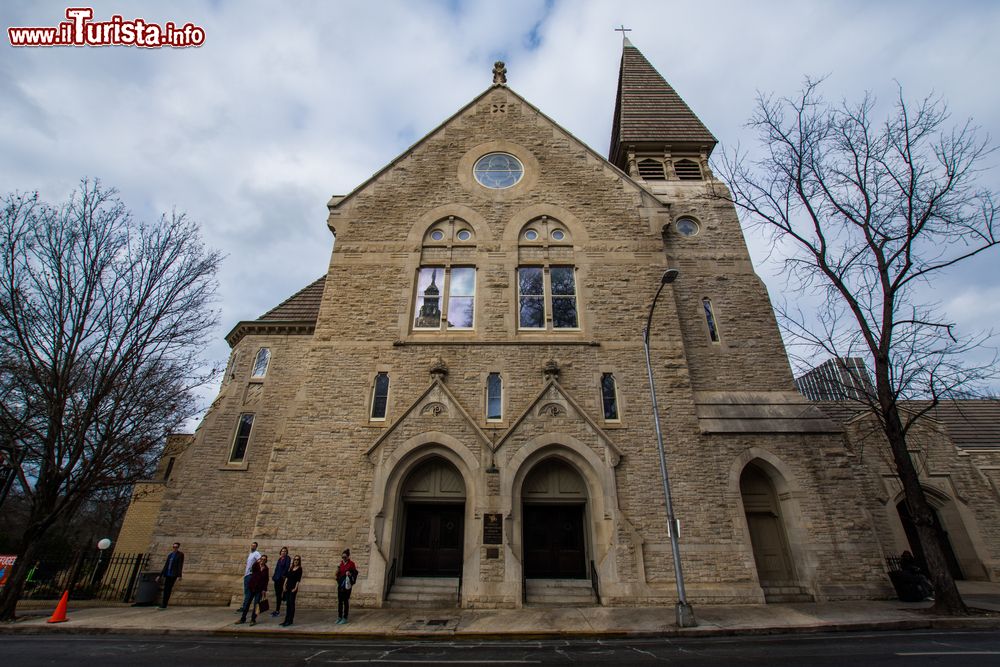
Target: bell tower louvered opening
[(687, 170), (651, 170)]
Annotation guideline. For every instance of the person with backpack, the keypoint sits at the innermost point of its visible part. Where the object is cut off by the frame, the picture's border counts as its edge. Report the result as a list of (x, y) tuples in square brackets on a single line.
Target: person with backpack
[(347, 575)]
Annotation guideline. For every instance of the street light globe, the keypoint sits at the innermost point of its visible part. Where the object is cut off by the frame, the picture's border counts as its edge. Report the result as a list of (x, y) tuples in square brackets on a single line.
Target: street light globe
[(104, 544)]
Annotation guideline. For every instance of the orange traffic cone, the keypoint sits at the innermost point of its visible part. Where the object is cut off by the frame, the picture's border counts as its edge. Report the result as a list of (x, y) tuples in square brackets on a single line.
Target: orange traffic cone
[(59, 615)]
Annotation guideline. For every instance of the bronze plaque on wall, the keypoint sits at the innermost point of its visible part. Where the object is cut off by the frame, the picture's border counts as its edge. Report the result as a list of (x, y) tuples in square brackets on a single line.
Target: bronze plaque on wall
[(492, 528)]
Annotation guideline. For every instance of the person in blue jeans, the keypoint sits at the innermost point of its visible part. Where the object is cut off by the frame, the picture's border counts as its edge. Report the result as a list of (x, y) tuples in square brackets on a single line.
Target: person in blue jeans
[(280, 570), (252, 558), (258, 589)]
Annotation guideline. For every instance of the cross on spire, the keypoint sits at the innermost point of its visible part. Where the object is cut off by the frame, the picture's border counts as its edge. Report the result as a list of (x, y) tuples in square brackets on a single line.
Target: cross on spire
[(623, 30)]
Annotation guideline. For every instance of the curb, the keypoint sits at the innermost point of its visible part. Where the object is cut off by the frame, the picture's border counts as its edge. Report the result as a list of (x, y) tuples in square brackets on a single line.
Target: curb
[(877, 626)]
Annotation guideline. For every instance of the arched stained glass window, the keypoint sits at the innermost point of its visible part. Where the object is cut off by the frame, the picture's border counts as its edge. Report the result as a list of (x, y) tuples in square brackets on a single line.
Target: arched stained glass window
[(260, 362)]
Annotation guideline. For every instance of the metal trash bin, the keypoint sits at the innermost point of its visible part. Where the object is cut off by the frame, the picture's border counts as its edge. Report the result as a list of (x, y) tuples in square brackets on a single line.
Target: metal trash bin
[(148, 590)]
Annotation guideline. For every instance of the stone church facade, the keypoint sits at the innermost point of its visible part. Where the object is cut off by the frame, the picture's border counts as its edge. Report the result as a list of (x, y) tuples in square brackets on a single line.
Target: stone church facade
[(462, 399)]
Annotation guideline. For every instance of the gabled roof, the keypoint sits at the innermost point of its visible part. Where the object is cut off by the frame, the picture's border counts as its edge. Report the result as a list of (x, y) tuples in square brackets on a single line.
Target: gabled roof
[(971, 423), (303, 305), (443, 388), (339, 200), (555, 387), (295, 315), (649, 111)]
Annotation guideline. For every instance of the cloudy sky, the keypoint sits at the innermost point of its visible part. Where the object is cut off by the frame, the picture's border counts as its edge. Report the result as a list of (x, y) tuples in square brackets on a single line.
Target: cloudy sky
[(286, 104)]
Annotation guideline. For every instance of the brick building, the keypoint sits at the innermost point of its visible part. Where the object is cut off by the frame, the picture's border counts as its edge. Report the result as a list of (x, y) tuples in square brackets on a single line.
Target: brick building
[(462, 398)]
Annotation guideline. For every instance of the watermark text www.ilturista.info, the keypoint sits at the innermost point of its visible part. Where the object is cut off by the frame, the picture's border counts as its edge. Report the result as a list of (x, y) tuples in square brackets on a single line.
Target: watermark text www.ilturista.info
[(81, 30)]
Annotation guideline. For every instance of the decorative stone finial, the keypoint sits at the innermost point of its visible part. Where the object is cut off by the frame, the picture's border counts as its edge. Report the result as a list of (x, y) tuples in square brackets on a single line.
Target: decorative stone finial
[(439, 369), (499, 73), (551, 370)]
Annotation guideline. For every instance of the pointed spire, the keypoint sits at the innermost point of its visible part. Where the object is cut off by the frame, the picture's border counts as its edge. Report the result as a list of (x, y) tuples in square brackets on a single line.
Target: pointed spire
[(650, 115)]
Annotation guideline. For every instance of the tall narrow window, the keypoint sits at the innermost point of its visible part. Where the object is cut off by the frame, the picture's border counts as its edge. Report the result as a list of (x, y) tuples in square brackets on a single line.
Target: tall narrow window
[(242, 438), (380, 396), (558, 297), (531, 298), (231, 366), (260, 362), (436, 287), (713, 330), (428, 315), (494, 397), (564, 298), (609, 397), (170, 468), (462, 298)]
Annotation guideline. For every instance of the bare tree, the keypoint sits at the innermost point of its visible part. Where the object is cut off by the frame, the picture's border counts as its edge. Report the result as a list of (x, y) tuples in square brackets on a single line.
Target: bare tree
[(102, 321), (865, 211)]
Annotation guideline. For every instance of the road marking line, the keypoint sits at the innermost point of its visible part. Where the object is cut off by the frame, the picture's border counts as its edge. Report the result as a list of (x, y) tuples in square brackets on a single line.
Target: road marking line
[(951, 653)]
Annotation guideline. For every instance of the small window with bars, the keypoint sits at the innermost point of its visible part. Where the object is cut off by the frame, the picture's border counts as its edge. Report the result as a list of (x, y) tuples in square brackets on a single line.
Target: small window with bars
[(651, 170), (687, 170)]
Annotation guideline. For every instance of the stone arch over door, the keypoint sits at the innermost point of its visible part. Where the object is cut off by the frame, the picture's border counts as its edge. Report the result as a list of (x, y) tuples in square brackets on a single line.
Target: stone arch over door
[(554, 533), (766, 527), (597, 476), (391, 475), (763, 485), (432, 527), (959, 546)]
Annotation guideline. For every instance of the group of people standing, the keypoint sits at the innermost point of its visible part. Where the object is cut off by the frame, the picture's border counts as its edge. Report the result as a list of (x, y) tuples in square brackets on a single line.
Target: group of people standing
[(286, 580)]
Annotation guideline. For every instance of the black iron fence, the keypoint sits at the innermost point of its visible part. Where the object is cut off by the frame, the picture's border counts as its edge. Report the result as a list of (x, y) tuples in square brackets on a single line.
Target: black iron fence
[(86, 577)]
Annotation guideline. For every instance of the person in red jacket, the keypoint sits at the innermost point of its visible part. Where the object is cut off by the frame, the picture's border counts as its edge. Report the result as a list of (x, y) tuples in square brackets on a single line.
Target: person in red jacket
[(258, 588), (347, 574)]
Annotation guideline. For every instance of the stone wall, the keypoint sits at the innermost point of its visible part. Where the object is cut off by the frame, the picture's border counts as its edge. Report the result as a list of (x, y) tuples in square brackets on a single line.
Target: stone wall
[(318, 469)]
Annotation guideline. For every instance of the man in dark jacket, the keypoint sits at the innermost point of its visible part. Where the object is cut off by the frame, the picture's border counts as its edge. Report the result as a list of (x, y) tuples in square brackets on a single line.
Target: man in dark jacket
[(172, 570)]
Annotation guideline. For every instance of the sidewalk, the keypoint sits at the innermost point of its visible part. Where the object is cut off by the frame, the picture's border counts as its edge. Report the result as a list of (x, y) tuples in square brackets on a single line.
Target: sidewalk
[(530, 622)]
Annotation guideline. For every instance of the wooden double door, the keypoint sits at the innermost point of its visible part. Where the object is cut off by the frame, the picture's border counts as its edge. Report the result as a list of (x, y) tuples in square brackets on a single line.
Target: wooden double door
[(554, 544), (433, 539)]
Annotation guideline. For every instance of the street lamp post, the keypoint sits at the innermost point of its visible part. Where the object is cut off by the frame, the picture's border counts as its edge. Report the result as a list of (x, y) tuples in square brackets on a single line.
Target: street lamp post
[(685, 614)]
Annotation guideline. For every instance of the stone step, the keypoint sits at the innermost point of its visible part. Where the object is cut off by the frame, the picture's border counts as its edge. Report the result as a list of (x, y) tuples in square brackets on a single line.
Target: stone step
[(541, 584), (423, 593), (426, 583), (559, 592), (781, 594)]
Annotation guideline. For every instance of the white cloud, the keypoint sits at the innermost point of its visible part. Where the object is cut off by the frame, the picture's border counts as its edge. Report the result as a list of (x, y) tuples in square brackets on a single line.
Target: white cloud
[(287, 104)]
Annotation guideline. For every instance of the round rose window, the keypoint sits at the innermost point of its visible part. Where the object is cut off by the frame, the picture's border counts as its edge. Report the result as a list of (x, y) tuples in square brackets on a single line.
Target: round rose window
[(498, 171), (686, 227)]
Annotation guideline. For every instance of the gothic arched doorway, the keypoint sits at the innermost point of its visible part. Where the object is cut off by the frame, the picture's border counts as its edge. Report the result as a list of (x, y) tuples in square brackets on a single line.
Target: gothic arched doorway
[(767, 530), (433, 499), (554, 502)]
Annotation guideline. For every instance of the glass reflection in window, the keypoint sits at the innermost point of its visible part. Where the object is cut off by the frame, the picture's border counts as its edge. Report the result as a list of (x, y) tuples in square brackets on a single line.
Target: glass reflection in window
[(531, 298)]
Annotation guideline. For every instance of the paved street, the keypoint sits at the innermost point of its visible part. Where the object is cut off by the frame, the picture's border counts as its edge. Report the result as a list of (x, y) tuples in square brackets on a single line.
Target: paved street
[(856, 649)]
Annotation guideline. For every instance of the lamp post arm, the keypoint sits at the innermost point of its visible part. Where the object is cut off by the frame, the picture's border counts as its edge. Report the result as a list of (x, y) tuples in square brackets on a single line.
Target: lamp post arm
[(649, 324), (685, 614)]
